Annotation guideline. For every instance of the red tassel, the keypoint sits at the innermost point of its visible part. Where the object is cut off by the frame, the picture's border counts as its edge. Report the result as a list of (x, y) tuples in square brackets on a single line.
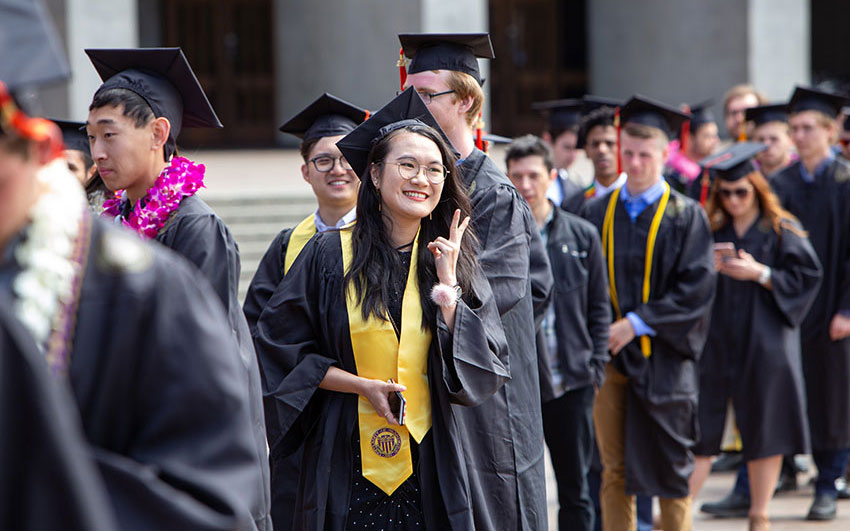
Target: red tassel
[(685, 137), (703, 192), (617, 127), (368, 114), (36, 129), (480, 143), (402, 69)]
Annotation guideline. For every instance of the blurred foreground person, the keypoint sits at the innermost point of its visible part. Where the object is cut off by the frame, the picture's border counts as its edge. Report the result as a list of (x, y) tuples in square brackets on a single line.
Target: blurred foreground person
[(768, 278), (379, 334)]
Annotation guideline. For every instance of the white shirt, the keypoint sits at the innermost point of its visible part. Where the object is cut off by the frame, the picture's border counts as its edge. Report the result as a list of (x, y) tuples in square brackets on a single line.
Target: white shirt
[(321, 226)]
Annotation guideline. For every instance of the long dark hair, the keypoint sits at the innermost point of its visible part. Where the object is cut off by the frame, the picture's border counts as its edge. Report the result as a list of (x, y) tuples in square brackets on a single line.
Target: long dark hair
[(769, 205), (374, 256)]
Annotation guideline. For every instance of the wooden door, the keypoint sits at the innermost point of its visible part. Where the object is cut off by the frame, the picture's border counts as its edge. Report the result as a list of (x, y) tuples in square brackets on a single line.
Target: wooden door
[(541, 54), (229, 45)]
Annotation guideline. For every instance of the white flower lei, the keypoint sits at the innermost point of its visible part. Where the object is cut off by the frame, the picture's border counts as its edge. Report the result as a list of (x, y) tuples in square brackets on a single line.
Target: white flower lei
[(46, 280)]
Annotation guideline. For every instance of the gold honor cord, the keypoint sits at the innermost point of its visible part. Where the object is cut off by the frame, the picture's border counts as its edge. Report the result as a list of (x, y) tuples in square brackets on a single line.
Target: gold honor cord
[(298, 238), (608, 246), (380, 355)]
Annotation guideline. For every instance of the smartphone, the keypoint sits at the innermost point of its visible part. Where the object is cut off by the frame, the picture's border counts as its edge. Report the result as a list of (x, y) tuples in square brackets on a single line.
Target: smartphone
[(397, 404), (725, 250)]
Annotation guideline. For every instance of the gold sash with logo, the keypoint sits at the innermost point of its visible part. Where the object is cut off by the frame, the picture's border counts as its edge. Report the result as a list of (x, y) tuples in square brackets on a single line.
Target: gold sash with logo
[(298, 238), (380, 355)]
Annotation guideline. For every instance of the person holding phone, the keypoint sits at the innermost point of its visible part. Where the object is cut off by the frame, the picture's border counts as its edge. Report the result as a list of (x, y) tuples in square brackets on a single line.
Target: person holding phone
[(398, 294), (768, 276)]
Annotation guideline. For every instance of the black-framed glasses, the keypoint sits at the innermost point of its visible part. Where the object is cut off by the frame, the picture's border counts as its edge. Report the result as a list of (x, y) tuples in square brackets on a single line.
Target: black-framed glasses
[(408, 169), (740, 193), (325, 163), (428, 96)]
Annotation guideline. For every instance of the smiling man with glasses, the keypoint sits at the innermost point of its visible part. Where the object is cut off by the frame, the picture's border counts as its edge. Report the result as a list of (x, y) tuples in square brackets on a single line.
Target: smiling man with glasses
[(319, 126)]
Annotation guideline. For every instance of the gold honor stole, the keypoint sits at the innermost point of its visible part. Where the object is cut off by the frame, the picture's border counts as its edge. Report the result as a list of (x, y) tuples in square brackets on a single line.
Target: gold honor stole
[(380, 355), (298, 238), (608, 247)]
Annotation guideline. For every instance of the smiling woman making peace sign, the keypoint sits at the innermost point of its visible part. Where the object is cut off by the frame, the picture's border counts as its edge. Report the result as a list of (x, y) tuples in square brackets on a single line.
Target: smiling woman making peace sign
[(397, 296)]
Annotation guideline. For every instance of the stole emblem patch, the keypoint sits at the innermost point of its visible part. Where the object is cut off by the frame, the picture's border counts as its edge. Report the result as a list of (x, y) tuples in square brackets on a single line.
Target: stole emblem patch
[(386, 442)]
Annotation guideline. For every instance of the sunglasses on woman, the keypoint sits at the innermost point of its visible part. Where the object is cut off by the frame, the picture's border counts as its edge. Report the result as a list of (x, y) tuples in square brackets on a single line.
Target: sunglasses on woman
[(740, 193)]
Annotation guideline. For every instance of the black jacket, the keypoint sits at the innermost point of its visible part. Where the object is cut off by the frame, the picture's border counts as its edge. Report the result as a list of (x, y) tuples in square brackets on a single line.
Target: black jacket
[(580, 299)]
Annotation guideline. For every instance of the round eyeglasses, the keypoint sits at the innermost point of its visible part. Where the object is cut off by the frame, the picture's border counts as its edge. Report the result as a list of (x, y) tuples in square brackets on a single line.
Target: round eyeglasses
[(325, 163), (409, 169)]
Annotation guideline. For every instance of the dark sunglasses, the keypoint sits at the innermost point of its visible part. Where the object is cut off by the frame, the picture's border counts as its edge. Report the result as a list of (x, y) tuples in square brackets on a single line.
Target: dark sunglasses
[(741, 193)]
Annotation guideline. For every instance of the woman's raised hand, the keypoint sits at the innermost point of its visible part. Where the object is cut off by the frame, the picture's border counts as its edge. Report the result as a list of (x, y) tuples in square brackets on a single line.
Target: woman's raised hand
[(446, 251)]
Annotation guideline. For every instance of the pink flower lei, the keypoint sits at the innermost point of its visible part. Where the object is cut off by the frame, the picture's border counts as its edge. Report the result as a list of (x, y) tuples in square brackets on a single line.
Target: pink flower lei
[(182, 178)]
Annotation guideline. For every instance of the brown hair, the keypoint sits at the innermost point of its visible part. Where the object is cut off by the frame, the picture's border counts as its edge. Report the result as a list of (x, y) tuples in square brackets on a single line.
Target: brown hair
[(646, 132), (740, 90), (465, 86), (769, 205)]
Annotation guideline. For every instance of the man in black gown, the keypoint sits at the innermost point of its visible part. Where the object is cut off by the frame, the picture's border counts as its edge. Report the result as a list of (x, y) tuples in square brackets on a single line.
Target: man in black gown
[(164, 80), (658, 248), (816, 189), (335, 185), (444, 71)]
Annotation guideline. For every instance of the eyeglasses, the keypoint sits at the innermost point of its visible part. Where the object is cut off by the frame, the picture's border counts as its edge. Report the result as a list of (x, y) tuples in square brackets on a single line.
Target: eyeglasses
[(740, 193), (428, 96), (410, 169), (325, 163)]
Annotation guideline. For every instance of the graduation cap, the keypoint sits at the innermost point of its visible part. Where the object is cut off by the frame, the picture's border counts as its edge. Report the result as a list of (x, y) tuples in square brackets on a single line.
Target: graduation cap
[(767, 113), (810, 99), (643, 111), (446, 51), (590, 103), (326, 116), (497, 139), (701, 114), (734, 162), (74, 136), (405, 109), (32, 53), (560, 114), (163, 78)]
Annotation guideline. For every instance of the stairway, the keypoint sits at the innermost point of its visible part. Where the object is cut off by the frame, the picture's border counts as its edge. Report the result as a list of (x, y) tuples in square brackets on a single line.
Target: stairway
[(255, 219)]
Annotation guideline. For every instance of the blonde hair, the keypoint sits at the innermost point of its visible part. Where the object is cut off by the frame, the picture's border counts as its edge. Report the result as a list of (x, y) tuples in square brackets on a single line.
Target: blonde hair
[(465, 86), (738, 91)]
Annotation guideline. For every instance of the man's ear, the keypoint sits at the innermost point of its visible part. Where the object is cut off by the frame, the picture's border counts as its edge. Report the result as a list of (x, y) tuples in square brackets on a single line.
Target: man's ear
[(160, 129)]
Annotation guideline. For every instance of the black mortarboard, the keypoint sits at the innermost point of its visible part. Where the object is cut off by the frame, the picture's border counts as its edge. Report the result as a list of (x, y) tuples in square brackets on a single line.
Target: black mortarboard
[(327, 116), (74, 135), (846, 112), (163, 78), (809, 99), (446, 51), (560, 114), (763, 114), (590, 103), (701, 114), (497, 139), (734, 162), (643, 111), (404, 109)]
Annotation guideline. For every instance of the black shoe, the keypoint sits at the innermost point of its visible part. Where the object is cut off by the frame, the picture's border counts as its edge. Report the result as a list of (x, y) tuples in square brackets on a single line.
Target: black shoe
[(734, 505), (727, 462), (786, 483), (842, 488), (823, 508)]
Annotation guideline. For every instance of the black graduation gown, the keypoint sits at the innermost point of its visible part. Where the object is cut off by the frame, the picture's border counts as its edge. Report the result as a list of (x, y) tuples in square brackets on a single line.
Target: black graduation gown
[(510, 471), (573, 196), (284, 469), (196, 233), (49, 479), (661, 423), (152, 371), (823, 208), (753, 350), (304, 330)]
